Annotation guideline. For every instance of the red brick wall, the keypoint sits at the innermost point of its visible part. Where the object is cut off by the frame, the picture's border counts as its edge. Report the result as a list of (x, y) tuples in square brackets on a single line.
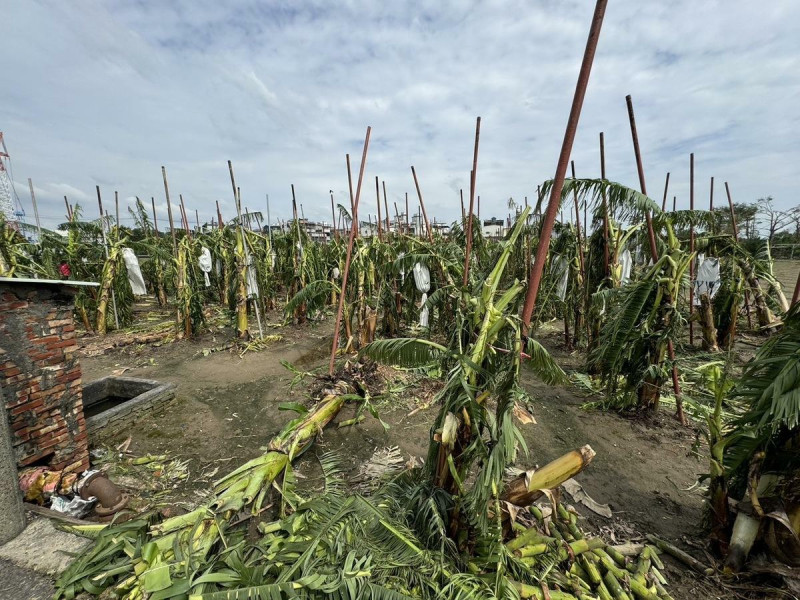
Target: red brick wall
[(40, 376)]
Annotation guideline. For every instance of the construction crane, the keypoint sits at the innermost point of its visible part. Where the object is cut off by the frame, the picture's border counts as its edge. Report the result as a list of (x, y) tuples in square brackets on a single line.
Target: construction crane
[(10, 206)]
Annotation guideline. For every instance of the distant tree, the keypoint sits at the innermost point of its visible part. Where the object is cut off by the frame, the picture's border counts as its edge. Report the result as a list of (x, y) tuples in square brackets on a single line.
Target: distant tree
[(774, 219)]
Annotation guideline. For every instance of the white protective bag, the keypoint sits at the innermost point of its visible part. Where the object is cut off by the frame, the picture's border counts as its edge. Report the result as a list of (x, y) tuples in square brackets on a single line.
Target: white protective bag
[(561, 274), (626, 261), (134, 272), (205, 263), (422, 279), (707, 280)]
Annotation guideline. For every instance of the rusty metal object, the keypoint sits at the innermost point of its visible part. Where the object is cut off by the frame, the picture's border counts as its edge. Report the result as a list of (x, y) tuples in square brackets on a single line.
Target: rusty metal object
[(561, 170), (110, 499), (353, 232)]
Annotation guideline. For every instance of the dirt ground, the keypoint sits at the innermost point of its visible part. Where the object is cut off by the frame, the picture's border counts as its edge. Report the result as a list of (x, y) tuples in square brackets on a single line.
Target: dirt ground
[(226, 410)]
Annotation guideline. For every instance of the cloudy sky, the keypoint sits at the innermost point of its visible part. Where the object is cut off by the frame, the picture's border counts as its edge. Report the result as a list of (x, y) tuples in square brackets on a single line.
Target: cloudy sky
[(105, 92)]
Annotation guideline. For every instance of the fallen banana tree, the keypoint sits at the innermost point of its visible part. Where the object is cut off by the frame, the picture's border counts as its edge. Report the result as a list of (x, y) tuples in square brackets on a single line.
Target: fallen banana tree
[(145, 556)]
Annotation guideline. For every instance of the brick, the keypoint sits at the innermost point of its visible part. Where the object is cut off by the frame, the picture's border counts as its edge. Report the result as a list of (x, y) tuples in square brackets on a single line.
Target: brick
[(15, 305), (11, 372), (59, 322), (60, 344)]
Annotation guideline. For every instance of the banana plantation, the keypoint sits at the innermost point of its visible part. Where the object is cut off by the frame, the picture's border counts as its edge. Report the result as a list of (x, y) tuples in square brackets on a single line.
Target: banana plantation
[(622, 297)]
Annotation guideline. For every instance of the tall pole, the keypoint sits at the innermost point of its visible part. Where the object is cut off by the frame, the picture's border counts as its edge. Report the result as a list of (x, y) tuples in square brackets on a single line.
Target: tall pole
[(350, 186), (69, 209), (169, 212), (551, 213), (197, 219), (408, 229), (422, 205), (691, 250), (155, 218), (353, 230), (333, 217), (269, 223), (666, 189), (676, 386), (35, 209), (651, 236), (606, 259), (472, 181), (711, 206), (386, 207), (463, 211), (116, 206), (378, 198)]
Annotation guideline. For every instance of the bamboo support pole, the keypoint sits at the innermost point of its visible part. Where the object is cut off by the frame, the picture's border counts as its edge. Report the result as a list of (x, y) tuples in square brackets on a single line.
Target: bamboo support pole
[(169, 212), (463, 211), (422, 205), (537, 268), (116, 207), (378, 198), (69, 208), (472, 184), (35, 210), (353, 231), (606, 258), (386, 208), (155, 218), (333, 218), (691, 250), (666, 190), (408, 228), (676, 386)]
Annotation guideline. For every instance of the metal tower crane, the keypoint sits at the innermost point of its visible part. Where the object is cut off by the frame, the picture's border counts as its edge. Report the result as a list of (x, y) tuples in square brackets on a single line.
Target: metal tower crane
[(10, 206)]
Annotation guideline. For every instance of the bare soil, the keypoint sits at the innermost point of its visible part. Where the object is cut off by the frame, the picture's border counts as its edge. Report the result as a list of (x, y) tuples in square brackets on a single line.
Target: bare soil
[(226, 410)]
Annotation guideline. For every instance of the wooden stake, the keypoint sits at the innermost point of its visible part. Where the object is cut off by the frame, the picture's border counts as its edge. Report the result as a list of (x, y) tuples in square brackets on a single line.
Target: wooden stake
[(664, 200), (353, 229), (69, 208), (606, 257), (155, 218), (691, 250), (35, 209), (386, 207), (169, 212), (116, 206), (422, 205), (472, 181), (378, 198)]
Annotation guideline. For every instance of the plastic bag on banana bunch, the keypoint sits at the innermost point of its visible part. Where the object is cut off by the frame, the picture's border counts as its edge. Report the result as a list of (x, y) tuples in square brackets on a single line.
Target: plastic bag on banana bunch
[(134, 272), (252, 284), (707, 280), (422, 279), (205, 263), (626, 262), (561, 274)]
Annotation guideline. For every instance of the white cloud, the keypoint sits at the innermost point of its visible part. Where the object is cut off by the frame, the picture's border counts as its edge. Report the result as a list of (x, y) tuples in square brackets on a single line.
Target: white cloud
[(107, 93)]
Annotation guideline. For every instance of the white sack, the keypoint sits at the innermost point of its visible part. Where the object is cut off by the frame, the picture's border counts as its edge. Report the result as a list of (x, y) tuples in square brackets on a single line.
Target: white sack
[(134, 272), (205, 263), (707, 280), (422, 279), (626, 261), (561, 275)]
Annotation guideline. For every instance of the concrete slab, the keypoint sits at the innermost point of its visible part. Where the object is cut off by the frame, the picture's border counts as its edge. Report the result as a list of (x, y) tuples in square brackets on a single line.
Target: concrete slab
[(43, 548)]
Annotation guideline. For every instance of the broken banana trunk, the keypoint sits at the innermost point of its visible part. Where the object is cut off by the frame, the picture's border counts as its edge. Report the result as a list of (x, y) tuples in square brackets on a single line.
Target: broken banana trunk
[(529, 486)]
